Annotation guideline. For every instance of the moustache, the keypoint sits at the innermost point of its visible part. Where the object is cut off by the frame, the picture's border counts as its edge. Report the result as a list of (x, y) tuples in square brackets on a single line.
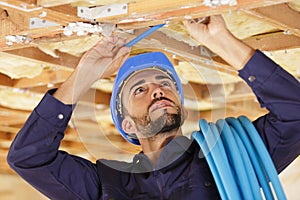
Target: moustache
[(160, 99)]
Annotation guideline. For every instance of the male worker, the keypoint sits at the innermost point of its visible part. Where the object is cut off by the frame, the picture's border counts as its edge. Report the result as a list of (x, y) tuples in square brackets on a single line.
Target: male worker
[(148, 110)]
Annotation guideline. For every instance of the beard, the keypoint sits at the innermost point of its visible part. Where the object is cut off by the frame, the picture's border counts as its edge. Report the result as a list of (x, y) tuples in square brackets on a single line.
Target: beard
[(164, 124)]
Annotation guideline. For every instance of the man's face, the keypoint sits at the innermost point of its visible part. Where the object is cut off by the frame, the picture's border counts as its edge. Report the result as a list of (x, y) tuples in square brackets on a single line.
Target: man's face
[(152, 102)]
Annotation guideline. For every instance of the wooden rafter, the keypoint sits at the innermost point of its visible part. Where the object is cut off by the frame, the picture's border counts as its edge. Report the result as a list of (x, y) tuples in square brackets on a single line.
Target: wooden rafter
[(274, 41), (36, 11), (63, 59), (281, 16), (163, 7)]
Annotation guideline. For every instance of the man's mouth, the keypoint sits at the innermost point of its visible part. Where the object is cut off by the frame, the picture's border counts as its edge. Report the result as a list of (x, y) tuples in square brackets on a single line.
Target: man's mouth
[(161, 104)]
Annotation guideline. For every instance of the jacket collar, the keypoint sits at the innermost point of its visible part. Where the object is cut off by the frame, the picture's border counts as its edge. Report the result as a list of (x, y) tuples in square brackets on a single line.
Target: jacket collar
[(171, 152)]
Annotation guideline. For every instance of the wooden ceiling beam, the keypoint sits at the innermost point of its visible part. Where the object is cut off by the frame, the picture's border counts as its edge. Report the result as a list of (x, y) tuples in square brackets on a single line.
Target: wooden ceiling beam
[(273, 41), (161, 10), (269, 42), (9, 129), (171, 9), (51, 74), (12, 22), (7, 111), (16, 15), (41, 36), (46, 77), (6, 80), (30, 1), (12, 117), (51, 3), (11, 120), (33, 10), (63, 59), (281, 16), (4, 167), (162, 42), (201, 11), (181, 50), (19, 5)]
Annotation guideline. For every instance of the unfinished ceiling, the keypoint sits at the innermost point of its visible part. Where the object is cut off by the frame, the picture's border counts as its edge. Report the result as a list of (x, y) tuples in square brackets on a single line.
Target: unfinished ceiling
[(41, 42)]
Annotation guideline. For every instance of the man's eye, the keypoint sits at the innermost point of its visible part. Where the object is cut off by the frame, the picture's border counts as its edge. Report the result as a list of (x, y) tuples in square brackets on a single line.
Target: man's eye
[(166, 83), (139, 90)]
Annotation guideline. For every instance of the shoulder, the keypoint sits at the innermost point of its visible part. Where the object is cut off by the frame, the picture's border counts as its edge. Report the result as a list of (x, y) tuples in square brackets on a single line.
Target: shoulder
[(113, 165)]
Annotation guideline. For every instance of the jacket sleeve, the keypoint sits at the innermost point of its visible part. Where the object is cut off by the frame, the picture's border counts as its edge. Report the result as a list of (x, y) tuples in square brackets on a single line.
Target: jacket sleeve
[(279, 92), (34, 155)]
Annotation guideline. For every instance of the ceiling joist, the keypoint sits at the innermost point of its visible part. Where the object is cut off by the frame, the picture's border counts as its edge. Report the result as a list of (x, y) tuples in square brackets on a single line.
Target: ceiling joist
[(281, 16)]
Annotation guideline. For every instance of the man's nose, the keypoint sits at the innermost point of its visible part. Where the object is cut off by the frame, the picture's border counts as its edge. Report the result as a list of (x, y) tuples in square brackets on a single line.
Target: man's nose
[(157, 93)]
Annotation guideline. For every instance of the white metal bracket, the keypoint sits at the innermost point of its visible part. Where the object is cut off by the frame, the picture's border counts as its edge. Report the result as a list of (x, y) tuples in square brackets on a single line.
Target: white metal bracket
[(40, 23), (91, 13)]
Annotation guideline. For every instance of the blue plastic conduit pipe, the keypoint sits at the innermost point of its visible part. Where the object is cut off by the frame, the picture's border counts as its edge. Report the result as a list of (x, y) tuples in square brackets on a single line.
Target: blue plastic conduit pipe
[(143, 35), (238, 160)]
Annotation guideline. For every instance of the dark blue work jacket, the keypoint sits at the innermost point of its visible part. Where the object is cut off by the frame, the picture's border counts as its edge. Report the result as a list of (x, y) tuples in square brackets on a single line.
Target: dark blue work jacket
[(181, 171)]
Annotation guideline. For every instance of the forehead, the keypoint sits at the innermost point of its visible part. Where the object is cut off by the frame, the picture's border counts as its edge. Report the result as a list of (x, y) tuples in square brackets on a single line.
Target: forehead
[(149, 75)]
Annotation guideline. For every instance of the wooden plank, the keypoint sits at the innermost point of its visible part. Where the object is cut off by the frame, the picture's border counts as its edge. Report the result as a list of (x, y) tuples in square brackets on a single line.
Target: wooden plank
[(4, 167), (171, 9), (67, 8), (39, 36), (58, 17), (201, 11), (19, 6), (55, 73), (30, 1), (11, 117), (46, 77), (36, 11), (5, 80), (12, 22), (13, 112), (12, 120), (273, 41), (281, 16), (9, 129), (182, 51), (50, 3), (63, 59), (157, 9), (20, 12), (23, 12)]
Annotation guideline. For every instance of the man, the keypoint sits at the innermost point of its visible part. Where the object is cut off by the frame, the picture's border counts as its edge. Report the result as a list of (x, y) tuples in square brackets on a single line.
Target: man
[(148, 109)]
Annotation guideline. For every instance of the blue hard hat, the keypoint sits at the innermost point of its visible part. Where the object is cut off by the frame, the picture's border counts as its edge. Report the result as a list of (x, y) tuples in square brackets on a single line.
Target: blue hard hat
[(155, 60)]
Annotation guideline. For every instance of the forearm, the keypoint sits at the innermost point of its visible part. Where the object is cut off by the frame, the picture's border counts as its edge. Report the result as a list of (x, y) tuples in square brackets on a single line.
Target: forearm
[(103, 60), (72, 89), (232, 50)]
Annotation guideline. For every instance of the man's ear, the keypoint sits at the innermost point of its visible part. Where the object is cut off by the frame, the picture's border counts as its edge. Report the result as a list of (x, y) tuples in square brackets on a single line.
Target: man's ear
[(185, 113), (129, 126)]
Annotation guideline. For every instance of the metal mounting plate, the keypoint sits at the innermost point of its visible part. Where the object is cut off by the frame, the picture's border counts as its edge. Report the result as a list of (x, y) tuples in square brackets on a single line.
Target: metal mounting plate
[(91, 13), (40, 23)]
